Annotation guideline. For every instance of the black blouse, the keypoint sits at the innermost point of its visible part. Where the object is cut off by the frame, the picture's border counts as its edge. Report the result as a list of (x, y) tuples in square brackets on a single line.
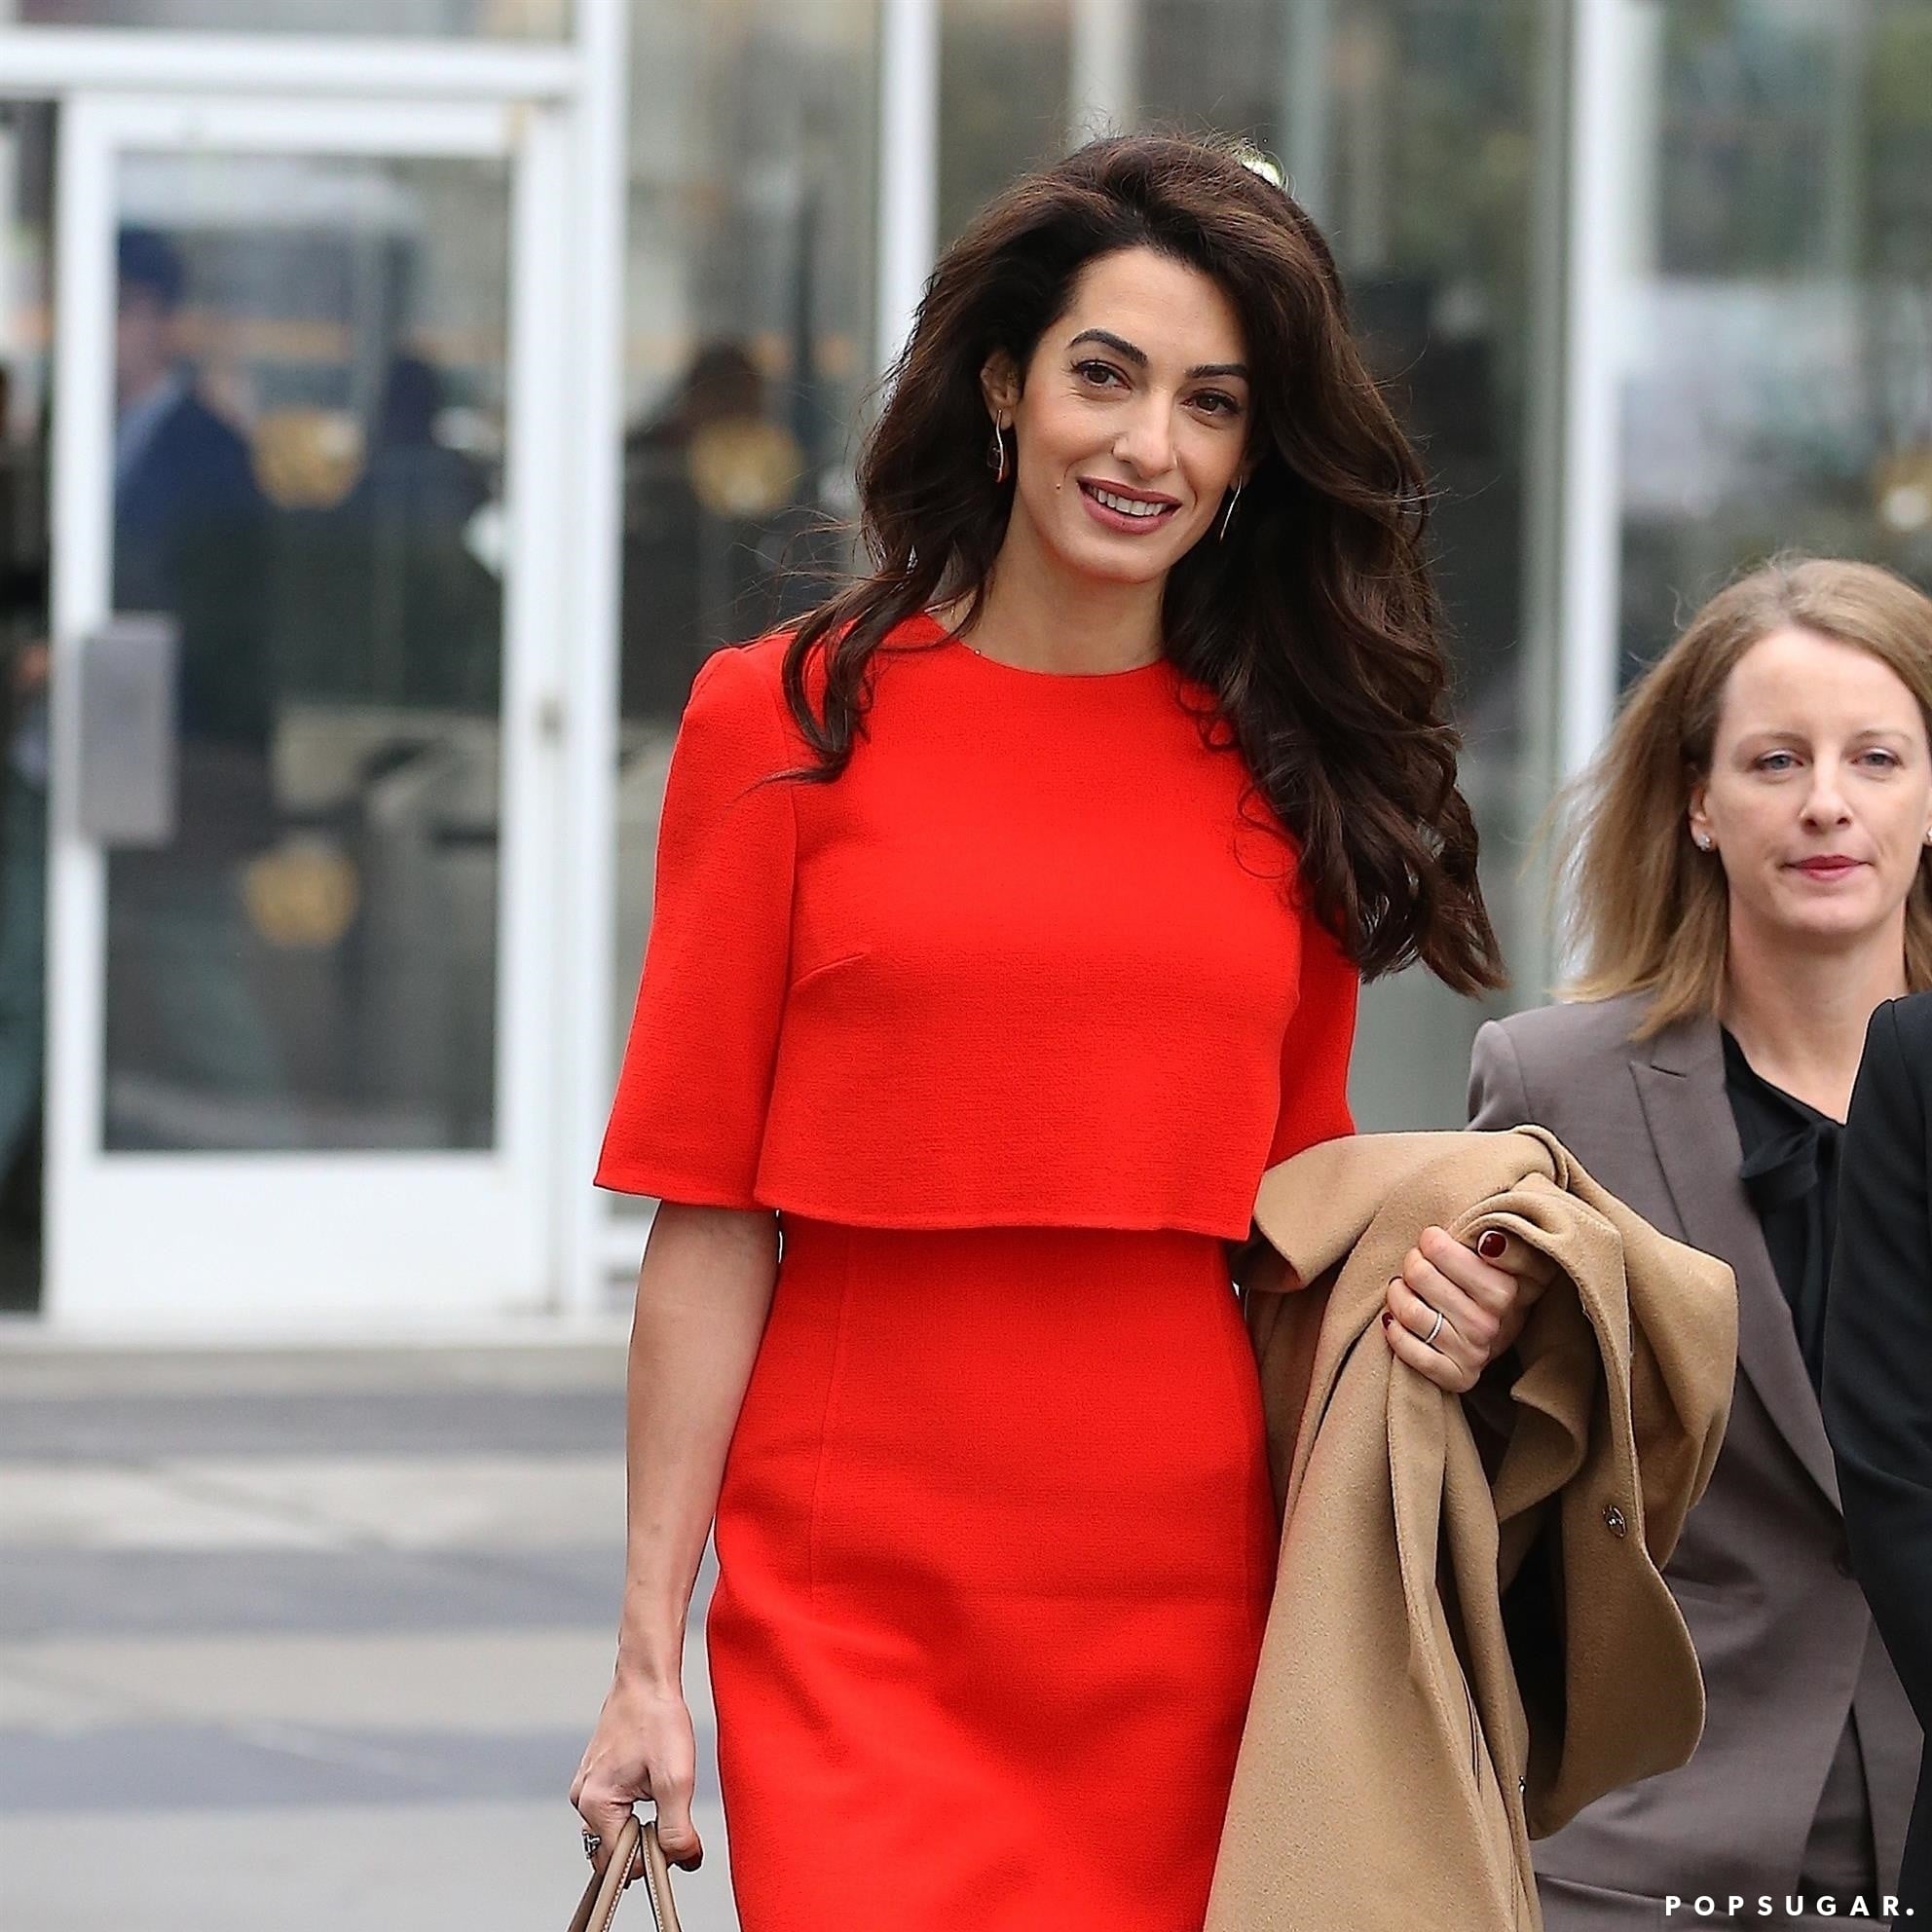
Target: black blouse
[(1790, 1174)]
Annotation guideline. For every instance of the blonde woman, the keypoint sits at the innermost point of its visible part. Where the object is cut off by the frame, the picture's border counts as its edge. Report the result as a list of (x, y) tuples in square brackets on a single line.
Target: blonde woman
[(1750, 874)]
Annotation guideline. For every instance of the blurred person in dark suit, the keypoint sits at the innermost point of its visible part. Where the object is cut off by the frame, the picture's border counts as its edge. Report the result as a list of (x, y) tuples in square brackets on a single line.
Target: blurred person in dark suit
[(190, 522), (1751, 880), (712, 510), (191, 537), (1878, 1365), (421, 613)]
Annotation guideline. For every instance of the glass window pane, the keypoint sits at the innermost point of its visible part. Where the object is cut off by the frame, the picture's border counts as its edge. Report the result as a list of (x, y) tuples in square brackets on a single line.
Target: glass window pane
[(1408, 129), (1777, 392), (306, 477), (434, 19), (748, 356), (1006, 100)]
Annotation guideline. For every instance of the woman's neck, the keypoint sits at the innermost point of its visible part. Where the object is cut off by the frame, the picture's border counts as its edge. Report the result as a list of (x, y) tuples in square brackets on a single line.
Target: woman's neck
[(1801, 1016), (1042, 616)]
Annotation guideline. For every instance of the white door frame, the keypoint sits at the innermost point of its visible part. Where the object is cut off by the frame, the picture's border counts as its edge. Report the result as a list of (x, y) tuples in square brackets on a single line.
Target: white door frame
[(1602, 176), (40, 63), (158, 1240)]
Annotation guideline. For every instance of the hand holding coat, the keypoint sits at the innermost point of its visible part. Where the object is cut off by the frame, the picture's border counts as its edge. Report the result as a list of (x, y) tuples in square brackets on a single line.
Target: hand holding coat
[(1452, 1668)]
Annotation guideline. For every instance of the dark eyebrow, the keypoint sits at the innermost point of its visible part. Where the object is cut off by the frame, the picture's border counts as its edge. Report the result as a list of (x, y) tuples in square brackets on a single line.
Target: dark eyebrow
[(1139, 356)]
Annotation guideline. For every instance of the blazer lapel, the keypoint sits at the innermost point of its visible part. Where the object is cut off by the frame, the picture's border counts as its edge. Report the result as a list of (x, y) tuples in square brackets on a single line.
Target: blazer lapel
[(1680, 1081)]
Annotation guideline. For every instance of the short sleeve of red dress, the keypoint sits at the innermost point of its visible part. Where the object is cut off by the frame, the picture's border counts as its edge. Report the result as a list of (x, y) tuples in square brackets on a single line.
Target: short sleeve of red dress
[(1315, 1051), (689, 1119)]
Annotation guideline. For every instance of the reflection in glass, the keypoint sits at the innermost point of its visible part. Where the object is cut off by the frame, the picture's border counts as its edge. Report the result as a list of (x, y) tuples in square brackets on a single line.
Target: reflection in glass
[(437, 19), (748, 356), (306, 471), (1776, 390)]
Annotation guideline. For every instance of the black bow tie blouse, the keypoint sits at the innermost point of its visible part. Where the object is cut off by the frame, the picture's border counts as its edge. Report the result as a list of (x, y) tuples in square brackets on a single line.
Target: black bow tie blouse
[(1791, 1175)]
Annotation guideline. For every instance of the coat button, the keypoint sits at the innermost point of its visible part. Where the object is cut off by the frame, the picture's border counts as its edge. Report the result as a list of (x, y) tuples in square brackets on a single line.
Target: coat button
[(1613, 1520)]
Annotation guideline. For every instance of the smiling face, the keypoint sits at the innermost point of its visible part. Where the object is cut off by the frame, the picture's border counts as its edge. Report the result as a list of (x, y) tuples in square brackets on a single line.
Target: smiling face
[(1819, 796), (1131, 421)]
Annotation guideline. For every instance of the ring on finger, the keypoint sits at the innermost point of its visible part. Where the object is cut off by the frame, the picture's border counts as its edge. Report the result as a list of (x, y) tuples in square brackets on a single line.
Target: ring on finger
[(592, 1845), (1428, 1340)]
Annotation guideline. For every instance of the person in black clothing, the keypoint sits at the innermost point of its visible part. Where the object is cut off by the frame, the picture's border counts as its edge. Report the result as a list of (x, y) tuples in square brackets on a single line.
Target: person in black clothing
[(1877, 1349), (421, 618), (717, 511)]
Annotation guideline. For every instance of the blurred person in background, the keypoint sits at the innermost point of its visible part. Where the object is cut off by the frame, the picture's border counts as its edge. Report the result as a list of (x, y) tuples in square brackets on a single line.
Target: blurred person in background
[(711, 484), (191, 538), (1878, 1365), (189, 518), (1010, 916), (418, 611), (1751, 880)]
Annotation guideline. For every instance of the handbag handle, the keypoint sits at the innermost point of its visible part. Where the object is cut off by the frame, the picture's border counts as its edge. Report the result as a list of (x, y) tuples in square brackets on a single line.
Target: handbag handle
[(601, 1897)]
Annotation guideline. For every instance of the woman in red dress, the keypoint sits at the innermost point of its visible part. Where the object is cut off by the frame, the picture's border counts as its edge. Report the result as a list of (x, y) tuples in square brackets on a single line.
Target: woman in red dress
[(1009, 921)]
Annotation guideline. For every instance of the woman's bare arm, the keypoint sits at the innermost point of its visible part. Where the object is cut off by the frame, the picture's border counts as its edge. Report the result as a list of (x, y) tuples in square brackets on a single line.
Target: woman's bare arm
[(702, 1297)]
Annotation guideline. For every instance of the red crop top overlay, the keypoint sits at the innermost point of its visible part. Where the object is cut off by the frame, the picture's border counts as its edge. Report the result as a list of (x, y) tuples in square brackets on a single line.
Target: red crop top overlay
[(1026, 963)]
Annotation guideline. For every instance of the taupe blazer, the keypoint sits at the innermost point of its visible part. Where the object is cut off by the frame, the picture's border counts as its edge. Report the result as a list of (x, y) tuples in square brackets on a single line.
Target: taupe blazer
[(1763, 1572)]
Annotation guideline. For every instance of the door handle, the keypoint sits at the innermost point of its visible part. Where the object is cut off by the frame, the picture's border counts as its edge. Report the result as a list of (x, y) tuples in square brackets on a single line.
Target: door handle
[(128, 739)]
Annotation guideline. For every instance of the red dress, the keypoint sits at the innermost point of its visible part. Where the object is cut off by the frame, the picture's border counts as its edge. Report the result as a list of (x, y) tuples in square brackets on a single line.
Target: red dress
[(1004, 1023)]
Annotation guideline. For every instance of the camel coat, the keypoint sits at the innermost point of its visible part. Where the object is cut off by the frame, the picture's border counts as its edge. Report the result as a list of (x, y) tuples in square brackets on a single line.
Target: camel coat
[(1458, 1662)]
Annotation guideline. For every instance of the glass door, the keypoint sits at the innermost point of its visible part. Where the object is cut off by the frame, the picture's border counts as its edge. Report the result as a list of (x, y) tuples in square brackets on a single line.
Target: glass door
[(303, 735)]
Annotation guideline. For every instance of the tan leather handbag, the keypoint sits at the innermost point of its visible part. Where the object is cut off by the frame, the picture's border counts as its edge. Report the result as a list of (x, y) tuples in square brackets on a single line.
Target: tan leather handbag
[(602, 1896)]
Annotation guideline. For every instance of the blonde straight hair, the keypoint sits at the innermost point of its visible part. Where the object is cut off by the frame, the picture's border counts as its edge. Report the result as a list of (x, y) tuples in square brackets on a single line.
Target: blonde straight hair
[(1648, 913)]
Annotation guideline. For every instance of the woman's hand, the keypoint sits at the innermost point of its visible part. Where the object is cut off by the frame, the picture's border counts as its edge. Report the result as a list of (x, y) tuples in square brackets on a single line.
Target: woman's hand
[(703, 1295), (1482, 1293), (643, 1747)]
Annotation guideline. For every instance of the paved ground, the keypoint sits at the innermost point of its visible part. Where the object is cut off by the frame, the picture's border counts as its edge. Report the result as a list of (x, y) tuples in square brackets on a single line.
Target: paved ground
[(309, 1641)]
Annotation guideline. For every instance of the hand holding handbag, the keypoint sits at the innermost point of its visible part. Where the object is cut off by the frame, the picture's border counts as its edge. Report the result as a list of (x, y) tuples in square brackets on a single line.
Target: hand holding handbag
[(602, 1896)]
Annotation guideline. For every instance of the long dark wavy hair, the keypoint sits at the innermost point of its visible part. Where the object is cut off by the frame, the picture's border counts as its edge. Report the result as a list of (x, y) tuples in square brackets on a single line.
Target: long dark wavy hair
[(1314, 623)]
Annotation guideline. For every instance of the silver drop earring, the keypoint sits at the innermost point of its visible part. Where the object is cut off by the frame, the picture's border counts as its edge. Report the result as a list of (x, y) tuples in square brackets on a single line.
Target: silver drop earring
[(1228, 514), (996, 456)]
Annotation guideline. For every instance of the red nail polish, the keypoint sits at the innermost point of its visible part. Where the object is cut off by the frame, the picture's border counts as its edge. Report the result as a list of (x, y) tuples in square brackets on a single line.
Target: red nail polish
[(1492, 1243)]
